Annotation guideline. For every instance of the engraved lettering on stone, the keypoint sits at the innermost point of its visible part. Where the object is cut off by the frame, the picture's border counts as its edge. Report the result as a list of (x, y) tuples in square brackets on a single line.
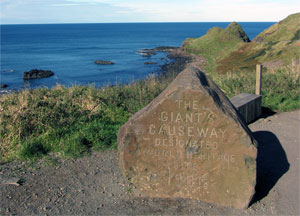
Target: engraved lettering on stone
[(189, 146)]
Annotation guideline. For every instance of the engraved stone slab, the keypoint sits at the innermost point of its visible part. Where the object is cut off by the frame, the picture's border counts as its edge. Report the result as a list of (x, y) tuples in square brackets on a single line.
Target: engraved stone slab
[(190, 143)]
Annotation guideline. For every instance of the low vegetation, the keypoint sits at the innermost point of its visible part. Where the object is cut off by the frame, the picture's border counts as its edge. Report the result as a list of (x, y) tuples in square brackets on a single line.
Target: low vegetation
[(70, 121), (280, 88)]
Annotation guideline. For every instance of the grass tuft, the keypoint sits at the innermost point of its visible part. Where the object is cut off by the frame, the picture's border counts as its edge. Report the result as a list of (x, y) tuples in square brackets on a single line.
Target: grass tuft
[(70, 121)]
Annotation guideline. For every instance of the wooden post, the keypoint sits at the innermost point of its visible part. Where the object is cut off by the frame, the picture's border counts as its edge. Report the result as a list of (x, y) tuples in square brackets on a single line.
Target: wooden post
[(258, 79), (294, 63)]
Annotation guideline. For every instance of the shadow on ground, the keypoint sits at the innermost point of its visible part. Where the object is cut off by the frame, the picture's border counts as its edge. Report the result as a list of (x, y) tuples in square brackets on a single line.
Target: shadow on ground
[(272, 163), (266, 112)]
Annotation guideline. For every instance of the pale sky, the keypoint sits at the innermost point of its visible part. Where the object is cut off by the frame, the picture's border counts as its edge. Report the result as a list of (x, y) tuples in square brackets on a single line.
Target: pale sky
[(108, 11)]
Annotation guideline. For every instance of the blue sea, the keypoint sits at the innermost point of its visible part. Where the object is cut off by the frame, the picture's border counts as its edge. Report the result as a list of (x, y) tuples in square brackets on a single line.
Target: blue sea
[(69, 50)]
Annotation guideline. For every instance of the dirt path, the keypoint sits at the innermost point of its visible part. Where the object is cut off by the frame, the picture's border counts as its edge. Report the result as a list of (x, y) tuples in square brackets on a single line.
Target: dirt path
[(93, 185)]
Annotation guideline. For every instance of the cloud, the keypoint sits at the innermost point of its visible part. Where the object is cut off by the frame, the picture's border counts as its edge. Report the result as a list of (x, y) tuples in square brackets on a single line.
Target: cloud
[(44, 11), (56, 11), (212, 10), (90, 1), (66, 4)]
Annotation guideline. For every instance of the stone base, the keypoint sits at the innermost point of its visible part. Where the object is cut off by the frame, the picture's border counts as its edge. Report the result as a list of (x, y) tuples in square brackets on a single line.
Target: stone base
[(248, 105)]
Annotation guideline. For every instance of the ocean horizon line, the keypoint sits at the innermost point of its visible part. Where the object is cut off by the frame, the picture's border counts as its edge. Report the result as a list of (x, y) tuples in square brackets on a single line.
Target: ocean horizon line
[(71, 23)]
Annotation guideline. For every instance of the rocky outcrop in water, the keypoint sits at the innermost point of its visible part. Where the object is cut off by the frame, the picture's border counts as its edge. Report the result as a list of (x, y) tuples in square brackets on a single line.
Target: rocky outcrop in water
[(153, 51), (37, 74), (3, 86), (101, 62), (149, 63), (146, 52), (165, 49)]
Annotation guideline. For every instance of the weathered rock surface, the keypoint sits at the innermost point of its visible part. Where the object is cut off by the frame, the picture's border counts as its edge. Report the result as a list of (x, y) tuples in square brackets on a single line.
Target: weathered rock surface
[(153, 51), (149, 63), (190, 143), (165, 49), (104, 62), (146, 52), (37, 74), (3, 86)]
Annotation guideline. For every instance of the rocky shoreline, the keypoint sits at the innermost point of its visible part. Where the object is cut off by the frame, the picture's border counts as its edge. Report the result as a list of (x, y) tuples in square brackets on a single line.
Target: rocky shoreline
[(178, 63), (153, 51), (180, 59)]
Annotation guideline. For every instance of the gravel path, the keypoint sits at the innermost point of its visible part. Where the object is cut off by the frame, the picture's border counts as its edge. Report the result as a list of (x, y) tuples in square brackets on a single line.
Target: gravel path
[(93, 185)]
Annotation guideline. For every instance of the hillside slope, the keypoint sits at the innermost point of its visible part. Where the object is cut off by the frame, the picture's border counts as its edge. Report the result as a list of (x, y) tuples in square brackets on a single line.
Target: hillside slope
[(276, 46), (217, 43), (227, 51)]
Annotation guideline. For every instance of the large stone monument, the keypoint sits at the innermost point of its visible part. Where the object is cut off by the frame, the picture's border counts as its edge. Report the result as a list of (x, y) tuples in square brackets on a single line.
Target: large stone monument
[(190, 143)]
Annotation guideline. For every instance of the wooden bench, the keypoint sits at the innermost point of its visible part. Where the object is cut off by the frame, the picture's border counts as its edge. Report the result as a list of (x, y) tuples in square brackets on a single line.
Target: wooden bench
[(249, 105)]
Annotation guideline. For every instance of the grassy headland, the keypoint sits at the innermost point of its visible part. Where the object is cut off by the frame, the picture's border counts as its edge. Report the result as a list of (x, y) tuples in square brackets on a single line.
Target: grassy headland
[(73, 121), (229, 50), (216, 44), (231, 61)]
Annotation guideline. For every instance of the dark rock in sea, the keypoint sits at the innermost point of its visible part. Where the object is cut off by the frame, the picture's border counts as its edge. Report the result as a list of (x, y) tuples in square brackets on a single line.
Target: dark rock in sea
[(104, 62), (146, 52), (153, 51), (3, 86), (165, 49), (37, 74), (148, 63)]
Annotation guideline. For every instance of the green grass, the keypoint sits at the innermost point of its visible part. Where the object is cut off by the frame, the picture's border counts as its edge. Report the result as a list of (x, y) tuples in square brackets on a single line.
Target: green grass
[(280, 88), (71, 121)]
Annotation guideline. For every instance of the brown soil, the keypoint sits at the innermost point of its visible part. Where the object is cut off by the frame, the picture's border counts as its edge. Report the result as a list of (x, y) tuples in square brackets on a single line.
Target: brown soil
[(93, 185)]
